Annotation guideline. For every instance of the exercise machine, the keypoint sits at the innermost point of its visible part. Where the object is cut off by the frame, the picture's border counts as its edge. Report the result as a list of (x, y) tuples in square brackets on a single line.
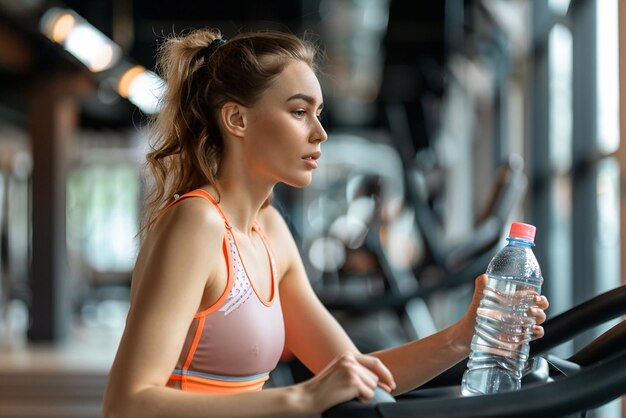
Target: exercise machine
[(552, 387)]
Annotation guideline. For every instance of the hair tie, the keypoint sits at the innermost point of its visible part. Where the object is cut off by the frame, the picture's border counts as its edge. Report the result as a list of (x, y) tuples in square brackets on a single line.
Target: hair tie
[(216, 43)]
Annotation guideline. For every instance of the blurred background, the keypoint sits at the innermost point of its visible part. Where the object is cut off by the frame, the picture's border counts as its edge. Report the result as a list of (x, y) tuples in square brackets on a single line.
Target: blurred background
[(447, 120)]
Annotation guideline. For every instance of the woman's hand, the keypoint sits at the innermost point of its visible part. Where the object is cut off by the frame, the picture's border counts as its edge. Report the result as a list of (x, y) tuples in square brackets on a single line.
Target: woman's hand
[(465, 327), (347, 377)]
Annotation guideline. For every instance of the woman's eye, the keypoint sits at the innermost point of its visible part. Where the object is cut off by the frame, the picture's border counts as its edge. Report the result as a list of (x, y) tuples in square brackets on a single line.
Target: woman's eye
[(299, 113)]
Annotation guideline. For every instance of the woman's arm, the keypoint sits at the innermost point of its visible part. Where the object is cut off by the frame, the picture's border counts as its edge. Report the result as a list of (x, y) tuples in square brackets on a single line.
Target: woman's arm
[(417, 362)]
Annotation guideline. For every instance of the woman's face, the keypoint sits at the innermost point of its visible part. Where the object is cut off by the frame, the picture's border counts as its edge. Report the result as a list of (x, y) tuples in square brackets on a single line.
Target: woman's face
[(284, 133)]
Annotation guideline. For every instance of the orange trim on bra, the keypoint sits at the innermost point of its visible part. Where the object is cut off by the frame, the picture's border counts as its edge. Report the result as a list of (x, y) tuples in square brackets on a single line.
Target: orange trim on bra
[(270, 254), (214, 386), (229, 283)]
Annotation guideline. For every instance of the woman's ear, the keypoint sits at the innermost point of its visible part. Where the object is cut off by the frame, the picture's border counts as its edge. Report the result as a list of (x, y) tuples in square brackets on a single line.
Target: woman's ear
[(233, 118)]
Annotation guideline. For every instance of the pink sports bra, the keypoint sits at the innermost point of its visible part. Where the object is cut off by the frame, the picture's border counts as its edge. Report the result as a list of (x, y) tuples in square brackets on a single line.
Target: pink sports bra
[(232, 346)]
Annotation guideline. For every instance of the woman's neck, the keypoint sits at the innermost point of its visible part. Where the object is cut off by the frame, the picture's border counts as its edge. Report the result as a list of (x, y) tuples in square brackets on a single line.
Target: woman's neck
[(241, 201)]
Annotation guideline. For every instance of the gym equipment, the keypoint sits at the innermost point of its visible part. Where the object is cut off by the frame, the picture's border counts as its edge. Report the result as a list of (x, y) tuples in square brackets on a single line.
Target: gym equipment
[(352, 187), (444, 265), (553, 387), (592, 386), (559, 329), (445, 269)]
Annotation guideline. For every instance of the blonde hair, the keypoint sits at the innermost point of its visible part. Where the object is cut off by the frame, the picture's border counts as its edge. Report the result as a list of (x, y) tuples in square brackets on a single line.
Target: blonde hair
[(187, 144)]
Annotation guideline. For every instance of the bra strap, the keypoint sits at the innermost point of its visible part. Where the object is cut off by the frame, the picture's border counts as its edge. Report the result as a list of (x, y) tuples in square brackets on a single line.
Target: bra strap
[(202, 194), (268, 249)]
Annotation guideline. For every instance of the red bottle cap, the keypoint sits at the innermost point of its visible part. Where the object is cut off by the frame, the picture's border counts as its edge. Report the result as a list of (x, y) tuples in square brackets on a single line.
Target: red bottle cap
[(523, 231)]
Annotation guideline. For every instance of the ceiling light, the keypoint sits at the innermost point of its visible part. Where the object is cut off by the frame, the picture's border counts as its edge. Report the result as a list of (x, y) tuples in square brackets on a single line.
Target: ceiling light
[(142, 87), (81, 39)]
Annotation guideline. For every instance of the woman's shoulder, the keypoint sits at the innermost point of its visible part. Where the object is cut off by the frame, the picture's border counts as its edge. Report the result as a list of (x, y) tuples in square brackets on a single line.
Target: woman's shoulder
[(188, 235), (191, 215)]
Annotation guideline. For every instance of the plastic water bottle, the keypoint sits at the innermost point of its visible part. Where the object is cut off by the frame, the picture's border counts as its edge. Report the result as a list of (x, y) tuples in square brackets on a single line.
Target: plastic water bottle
[(503, 325)]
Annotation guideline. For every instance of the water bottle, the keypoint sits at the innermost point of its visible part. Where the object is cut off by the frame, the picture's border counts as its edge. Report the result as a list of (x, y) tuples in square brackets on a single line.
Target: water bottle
[(503, 325)]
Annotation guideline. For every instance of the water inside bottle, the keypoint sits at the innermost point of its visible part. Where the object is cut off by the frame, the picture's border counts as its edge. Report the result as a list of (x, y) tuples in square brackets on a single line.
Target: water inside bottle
[(504, 325)]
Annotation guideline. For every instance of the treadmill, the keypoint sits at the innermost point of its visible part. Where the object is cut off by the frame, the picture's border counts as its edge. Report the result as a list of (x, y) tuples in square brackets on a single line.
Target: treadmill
[(552, 386)]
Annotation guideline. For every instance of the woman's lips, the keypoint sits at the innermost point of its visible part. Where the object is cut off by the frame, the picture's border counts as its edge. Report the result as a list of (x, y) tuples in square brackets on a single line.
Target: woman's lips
[(311, 159)]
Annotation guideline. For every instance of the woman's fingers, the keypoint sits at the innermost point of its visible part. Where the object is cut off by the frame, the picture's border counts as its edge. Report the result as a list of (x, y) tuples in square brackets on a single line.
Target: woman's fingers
[(359, 377), (375, 366), (538, 311), (364, 388), (370, 379), (538, 314), (542, 302), (538, 332), (366, 373)]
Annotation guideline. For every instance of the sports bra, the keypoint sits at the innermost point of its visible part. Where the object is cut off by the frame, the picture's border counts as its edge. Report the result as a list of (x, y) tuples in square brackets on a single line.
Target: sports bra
[(232, 346)]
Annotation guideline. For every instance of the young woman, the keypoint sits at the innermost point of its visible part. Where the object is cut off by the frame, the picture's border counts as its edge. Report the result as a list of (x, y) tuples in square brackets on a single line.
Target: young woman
[(219, 287)]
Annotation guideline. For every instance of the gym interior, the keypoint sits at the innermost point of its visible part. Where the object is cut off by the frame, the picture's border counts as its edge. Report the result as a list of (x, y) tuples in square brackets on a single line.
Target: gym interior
[(447, 120)]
